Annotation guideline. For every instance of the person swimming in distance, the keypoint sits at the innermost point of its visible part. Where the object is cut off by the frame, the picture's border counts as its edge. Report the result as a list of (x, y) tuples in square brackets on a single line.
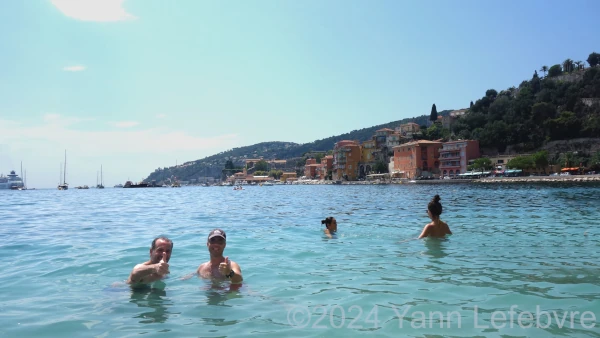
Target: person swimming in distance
[(436, 228), (157, 267), (330, 226), (219, 267)]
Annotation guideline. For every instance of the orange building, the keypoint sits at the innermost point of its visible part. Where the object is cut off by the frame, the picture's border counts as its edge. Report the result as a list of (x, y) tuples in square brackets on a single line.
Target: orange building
[(310, 168), (325, 168), (346, 159), (417, 158)]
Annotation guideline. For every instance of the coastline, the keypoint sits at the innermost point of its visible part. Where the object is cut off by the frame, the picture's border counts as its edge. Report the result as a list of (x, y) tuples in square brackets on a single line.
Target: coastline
[(510, 180)]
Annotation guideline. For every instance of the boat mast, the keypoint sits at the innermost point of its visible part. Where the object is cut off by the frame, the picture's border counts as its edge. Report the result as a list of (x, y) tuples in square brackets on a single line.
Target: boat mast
[(65, 172), (101, 177), (60, 175)]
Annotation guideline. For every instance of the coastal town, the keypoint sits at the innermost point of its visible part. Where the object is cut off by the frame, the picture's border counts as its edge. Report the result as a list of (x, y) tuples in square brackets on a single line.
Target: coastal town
[(408, 159)]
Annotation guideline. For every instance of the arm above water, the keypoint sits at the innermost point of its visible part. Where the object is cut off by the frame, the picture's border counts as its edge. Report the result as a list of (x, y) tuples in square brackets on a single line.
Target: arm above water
[(425, 231), (237, 273), (327, 233), (143, 270)]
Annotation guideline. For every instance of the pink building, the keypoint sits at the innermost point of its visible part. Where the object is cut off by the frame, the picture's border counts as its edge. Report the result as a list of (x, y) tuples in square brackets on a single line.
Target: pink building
[(455, 156)]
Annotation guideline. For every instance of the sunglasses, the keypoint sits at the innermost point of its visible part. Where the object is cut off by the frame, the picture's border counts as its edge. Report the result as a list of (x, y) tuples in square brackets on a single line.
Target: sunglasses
[(216, 240)]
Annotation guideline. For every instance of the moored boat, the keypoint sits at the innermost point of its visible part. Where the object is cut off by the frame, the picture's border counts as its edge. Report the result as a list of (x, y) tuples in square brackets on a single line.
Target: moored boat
[(11, 181)]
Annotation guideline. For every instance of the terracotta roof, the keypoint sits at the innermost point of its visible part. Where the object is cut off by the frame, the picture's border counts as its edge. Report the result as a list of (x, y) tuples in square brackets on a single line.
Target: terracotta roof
[(384, 129)]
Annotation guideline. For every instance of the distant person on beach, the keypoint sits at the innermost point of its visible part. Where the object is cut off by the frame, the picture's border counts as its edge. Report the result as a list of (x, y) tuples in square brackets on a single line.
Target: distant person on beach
[(330, 226), (436, 228), (157, 267), (219, 267)]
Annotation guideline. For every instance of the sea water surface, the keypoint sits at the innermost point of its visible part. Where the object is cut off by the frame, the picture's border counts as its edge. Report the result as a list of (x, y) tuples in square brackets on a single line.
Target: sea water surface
[(523, 262)]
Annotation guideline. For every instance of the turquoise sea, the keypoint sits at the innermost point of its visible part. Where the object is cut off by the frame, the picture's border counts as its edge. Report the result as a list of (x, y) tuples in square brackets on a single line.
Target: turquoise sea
[(524, 261)]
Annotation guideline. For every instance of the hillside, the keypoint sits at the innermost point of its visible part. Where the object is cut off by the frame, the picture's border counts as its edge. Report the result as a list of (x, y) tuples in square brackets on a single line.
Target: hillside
[(212, 166)]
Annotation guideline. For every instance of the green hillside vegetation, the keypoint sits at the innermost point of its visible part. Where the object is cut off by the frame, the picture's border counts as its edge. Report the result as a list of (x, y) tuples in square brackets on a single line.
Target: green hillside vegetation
[(233, 159)]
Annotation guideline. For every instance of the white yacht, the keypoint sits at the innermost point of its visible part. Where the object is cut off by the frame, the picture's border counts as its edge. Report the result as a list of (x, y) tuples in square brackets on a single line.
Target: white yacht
[(11, 181)]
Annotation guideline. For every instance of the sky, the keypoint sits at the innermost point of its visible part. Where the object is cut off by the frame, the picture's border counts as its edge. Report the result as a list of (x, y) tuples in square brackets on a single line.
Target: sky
[(134, 85)]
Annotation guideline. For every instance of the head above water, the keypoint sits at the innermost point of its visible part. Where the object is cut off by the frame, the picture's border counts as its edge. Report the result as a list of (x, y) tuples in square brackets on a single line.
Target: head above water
[(330, 223), (217, 233), (435, 207), (161, 247), (153, 247)]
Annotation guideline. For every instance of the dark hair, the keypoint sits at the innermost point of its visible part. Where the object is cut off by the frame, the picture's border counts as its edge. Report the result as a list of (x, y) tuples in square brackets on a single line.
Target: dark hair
[(435, 207), (164, 239), (327, 221)]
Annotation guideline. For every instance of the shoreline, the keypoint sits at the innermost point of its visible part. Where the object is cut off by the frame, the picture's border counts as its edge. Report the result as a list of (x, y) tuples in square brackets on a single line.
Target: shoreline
[(487, 180)]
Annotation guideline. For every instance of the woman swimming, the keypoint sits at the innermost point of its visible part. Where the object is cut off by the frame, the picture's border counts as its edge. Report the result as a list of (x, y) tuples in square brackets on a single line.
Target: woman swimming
[(330, 226), (436, 228)]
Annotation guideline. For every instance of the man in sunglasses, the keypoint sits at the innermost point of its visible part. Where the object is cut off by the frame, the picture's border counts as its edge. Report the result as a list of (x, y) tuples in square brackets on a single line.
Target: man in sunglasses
[(219, 267), (157, 267)]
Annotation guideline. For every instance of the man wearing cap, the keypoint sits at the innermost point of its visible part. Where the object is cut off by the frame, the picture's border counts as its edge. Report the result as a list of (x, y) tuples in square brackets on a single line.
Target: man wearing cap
[(219, 267), (157, 267)]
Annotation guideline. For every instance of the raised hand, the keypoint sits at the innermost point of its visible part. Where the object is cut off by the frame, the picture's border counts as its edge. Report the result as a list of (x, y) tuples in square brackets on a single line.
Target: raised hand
[(225, 267), (162, 267)]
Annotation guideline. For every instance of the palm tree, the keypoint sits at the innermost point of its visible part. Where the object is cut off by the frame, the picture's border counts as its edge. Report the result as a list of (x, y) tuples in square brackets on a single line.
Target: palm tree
[(544, 69), (567, 65), (579, 64)]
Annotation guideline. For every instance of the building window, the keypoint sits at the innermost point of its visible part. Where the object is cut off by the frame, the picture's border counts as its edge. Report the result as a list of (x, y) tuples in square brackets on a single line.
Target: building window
[(500, 161)]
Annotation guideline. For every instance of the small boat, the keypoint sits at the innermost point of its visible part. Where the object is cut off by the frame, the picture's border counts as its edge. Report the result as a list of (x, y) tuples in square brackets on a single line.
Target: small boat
[(130, 184), (118, 185), (101, 185)]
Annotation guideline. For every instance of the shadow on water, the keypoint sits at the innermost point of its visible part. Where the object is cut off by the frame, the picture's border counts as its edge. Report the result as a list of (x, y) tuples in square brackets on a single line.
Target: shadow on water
[(217, 293), (155, 299), (435, 247)]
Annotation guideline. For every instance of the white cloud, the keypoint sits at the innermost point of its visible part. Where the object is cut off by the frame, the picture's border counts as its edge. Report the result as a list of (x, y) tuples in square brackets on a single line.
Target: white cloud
[(161, 116), (51, 117), (93, 10), (126, 124), (74, 68)]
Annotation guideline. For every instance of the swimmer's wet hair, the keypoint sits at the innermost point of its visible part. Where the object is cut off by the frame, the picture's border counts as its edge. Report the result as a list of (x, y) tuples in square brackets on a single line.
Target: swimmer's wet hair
[(435, 207), (327, 221)]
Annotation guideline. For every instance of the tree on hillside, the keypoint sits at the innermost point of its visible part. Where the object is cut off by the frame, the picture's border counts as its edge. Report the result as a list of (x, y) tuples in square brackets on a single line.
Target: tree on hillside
[(564, 127), (593, 59), (261, 165), (555, 70), (578, 65), (567, 66), (542, 111), (491, 93), (544, 69), (471, 105), (536, 84), (433, 116)]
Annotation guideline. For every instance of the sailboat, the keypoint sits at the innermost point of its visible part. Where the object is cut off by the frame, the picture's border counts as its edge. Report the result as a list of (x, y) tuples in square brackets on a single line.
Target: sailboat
[(101, 185), (64, 185)]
